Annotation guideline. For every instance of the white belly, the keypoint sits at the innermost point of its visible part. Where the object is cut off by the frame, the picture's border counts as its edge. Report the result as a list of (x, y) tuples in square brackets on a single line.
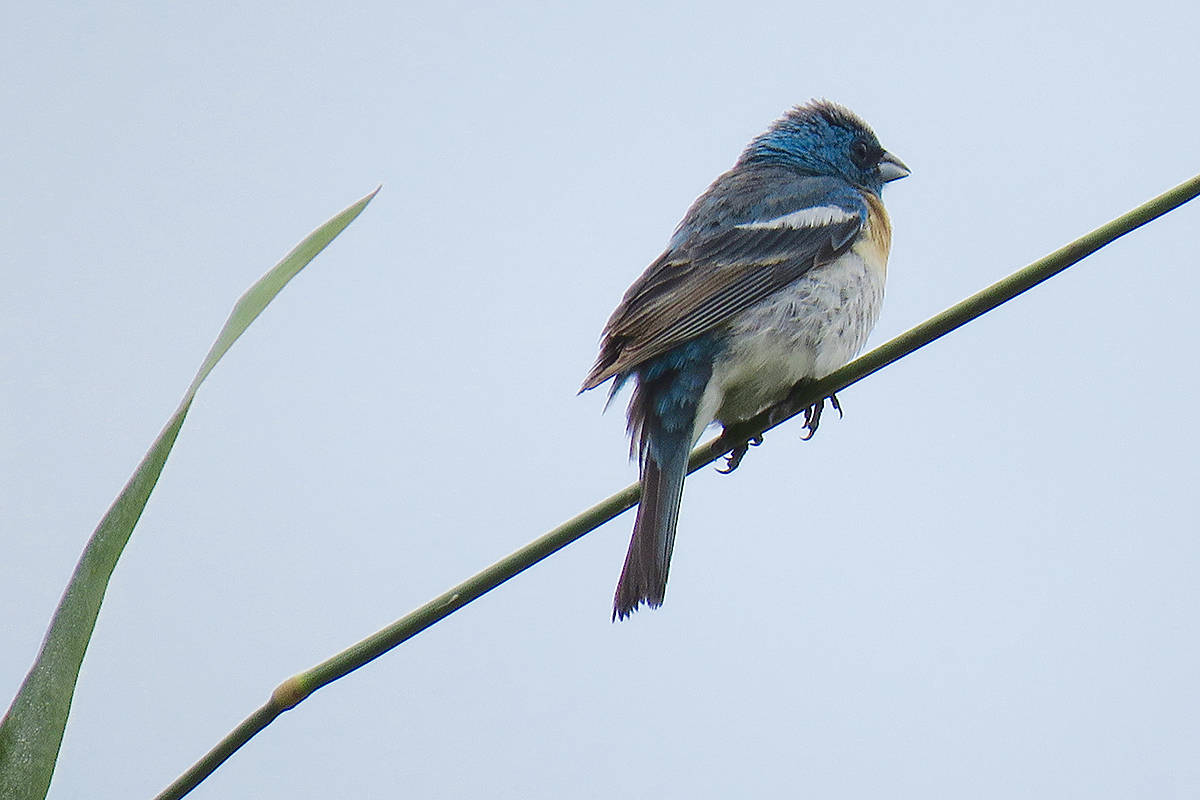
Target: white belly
[(807, 330)]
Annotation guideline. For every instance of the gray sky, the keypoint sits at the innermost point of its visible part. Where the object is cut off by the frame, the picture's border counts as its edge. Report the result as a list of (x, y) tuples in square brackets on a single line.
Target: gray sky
[(981, 583)]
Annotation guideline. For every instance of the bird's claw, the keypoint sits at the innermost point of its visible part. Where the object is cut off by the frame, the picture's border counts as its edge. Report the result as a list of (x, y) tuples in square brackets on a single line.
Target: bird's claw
[(812, 421), (812, 415), (735, 456)]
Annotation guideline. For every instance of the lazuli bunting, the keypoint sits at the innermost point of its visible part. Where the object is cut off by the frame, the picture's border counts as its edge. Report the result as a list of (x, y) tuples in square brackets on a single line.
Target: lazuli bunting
[(774, 277)]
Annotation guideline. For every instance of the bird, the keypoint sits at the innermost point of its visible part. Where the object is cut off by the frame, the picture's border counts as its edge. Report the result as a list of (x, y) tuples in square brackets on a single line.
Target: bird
[(773, 278)]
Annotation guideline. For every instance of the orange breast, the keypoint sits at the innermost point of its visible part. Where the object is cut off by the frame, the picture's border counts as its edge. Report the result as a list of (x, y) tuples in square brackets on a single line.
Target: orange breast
[(875, 242)]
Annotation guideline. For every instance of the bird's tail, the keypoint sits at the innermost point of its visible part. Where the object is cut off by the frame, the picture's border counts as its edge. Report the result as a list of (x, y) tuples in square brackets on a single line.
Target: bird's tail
[(644, 576), (662, 427)]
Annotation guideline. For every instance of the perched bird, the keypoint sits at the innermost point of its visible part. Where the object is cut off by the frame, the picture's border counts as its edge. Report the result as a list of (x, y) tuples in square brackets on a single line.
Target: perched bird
[(775, 276)]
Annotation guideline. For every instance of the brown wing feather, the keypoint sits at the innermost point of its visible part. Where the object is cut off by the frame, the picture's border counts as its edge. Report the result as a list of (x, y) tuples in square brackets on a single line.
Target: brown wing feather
[(694, 288)]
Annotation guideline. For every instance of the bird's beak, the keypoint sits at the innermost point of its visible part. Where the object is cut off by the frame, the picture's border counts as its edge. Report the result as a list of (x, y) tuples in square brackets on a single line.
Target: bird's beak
[(891, 168)]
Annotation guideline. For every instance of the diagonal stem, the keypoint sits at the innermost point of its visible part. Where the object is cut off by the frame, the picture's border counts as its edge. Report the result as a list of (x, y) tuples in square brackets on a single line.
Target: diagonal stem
[(295, 689)]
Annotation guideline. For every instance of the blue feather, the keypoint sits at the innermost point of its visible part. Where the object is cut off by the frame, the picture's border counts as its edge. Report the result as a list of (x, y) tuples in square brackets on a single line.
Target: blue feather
[(662, 424)]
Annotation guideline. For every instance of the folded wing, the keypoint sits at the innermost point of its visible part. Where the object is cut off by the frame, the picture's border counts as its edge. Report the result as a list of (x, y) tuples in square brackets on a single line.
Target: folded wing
[(724, 259)]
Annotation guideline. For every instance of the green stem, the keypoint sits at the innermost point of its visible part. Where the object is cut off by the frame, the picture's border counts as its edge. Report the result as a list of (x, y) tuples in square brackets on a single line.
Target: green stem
[(297, 688)]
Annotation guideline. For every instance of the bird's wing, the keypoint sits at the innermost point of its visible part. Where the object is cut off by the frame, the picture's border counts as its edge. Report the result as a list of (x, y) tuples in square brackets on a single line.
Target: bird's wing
[(728, 255)]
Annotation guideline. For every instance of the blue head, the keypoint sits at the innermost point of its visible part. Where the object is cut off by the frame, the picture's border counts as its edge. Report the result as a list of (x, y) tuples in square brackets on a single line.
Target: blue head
[(823, 138)]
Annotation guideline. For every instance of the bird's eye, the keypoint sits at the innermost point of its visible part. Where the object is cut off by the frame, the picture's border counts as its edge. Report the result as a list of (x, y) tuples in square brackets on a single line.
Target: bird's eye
[(860, 154)]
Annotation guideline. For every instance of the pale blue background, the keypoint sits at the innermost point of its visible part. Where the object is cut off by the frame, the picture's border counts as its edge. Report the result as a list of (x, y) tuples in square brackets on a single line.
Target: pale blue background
[(982, 583)]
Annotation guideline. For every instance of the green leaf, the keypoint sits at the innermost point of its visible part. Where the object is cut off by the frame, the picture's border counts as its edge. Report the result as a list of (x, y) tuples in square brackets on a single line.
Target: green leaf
[(32, 729)]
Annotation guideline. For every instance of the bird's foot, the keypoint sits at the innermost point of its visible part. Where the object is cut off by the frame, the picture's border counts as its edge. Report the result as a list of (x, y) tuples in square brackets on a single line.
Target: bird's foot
[(775, 415), (812, 415), (735, 456)]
